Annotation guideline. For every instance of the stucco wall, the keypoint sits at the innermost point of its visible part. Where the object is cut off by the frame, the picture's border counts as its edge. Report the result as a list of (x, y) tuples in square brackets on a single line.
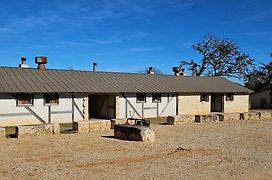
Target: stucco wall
[(167, 106), (190, 104), (255, 99), (240, 103), (11, 114)]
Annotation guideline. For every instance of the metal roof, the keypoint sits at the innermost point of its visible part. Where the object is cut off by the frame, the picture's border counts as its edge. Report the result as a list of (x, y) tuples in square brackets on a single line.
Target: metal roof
[(18, 80)]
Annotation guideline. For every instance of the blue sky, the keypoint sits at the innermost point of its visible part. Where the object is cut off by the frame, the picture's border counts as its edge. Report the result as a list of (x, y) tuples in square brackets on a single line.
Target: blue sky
[(127, 36)]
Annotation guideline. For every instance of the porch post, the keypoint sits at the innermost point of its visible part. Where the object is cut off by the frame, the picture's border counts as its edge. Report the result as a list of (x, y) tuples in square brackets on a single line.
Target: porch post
[(85, 107), (117, 107)]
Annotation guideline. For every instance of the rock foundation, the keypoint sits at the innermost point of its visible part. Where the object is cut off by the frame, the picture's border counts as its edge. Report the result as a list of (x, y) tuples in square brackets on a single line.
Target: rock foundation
[(172, 120), (266, 116), (81, 126), (92, 125), (250, 116), (230, 116), (37, 130), (179, 119), (100, 125), (208, 118)]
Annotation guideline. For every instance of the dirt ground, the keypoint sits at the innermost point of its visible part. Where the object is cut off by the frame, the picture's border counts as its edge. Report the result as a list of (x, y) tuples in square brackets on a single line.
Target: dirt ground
[(223, 150)]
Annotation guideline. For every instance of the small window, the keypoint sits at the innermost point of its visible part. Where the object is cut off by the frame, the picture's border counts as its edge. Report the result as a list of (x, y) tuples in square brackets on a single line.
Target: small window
[(229, 97), (204, 97), (25, 99), (156, 97), (141, 97), (51, 99)]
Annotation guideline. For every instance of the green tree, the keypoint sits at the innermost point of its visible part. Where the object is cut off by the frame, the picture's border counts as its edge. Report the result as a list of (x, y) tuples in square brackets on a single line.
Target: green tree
[(220, 57)]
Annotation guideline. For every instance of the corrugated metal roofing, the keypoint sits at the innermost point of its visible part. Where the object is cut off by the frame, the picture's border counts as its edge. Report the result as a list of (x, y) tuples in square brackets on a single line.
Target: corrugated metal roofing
[(17, 80)]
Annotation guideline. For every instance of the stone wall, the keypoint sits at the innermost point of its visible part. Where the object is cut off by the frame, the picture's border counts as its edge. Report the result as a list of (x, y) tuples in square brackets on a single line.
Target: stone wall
[(265, 115), (100, 125), (93, 125), (190, 104), (208, 118), (239, 104), (37, 130), (230, 116), (2, 133), (255, 99), (172, 120), (216, 117)]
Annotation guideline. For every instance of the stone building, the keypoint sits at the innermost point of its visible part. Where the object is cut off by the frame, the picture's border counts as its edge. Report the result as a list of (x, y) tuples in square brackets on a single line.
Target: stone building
[(262, 98), (40, 95)]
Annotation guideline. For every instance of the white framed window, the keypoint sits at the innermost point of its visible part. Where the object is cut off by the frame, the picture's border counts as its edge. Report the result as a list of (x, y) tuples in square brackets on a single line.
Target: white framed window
[(24, 99), (51, 99), (156, 97), (141, 97), (229, 97), (204, 97)]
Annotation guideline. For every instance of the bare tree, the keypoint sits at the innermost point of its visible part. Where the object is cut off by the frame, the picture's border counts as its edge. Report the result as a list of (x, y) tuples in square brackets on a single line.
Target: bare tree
[(220, 57), (70, 68)]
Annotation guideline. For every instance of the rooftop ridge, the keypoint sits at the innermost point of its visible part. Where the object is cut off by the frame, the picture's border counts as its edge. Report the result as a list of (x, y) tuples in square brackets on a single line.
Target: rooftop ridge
[(113, 72)]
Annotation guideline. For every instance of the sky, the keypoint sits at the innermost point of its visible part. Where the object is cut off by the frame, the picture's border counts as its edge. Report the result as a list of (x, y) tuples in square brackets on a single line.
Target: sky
[(128, 36)]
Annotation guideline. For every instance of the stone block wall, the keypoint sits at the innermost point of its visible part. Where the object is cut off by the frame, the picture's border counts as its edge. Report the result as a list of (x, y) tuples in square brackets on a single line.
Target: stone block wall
[(231, 116), (250, 116), (2, 133), (172, 120), (263, 115), (37, 130), (208, 118), (81, 126), (266, 115), (99, 125), (93, 125)]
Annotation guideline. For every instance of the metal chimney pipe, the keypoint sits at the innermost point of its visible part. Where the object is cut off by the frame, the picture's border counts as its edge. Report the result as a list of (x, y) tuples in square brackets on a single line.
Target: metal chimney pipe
[(23, 65), (41, 61), (94, 66), (150, 70), (177, 71)]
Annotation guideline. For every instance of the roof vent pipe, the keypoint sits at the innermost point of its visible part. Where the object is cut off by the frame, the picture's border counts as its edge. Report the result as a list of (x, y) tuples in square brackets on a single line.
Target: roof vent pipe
[(177, 71), (41, 61), (94, 66), (23, 65), (150, 71)]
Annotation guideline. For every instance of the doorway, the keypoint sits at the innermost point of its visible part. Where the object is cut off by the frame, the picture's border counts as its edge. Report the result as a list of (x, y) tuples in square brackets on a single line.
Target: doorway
[(217, 102), (102, 106)]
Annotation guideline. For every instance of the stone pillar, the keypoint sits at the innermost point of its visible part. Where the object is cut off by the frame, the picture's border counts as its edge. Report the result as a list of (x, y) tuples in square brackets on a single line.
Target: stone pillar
[(117, 107), (85, 107)]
